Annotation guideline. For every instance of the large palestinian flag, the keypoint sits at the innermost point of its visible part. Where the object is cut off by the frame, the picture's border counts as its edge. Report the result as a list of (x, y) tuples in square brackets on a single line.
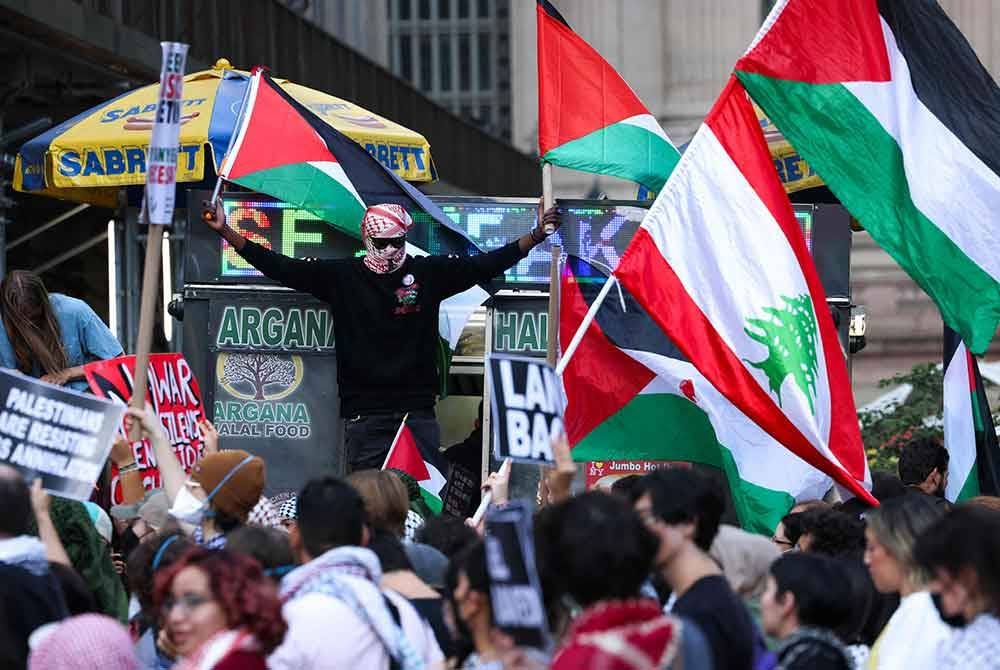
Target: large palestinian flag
[(588, 117), (969, 434), (888, 103), (284, 150), (631, 394), (722, 267)]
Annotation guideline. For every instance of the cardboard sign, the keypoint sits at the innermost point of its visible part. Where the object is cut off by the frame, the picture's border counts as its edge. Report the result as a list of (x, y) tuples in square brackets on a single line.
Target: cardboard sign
[(527, 403), (59, 435), (172, 391), (515, 589), (161, 175)]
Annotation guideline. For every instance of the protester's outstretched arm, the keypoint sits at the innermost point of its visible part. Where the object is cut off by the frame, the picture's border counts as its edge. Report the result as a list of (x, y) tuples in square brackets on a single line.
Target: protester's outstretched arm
[(171, 473), (559, 480), (47, 533), (129, 475)]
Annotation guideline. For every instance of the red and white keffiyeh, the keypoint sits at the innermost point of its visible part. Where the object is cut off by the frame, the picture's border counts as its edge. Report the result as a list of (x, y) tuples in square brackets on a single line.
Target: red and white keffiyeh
[(382, 221)]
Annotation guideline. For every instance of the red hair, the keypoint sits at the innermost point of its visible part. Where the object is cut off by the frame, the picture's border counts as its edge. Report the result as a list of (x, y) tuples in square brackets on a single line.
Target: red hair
[(249, 601)]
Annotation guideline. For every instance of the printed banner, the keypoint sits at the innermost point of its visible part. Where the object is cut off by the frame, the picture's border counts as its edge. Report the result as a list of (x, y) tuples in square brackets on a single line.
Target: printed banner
[(602, 474), (515, 590), (462, 495), (172, 391), (62, 436), (161, 177), (527, 404)]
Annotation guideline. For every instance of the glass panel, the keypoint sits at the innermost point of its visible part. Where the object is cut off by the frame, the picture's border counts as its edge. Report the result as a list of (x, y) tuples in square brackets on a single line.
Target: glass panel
[(485, 62), (403, 10), (425, 9), (444, 61), (464, 63), (425, 63), (444, 9), (406, 57)]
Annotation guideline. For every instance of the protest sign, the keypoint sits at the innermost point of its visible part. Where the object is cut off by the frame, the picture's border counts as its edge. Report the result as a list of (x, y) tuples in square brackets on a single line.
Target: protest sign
[(59, 435), (173, 393), (161, 175), (462, 493), (515, 589), (527, 403)]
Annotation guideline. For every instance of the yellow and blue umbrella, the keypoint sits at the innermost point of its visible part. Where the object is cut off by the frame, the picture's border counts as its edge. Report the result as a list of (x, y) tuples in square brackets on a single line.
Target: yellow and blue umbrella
[(89, 157), (796, 174)]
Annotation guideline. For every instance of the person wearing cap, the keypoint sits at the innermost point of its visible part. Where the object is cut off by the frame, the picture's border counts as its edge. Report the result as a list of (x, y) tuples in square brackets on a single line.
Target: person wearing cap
[(220, 493), (385, 319)]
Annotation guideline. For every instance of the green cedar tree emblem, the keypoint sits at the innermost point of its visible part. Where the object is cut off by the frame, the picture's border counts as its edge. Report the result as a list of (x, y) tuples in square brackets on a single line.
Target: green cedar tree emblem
[(790, 337)]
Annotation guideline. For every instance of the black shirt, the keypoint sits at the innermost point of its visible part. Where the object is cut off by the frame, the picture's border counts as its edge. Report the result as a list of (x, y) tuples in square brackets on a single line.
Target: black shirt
[(722, 617), (385, 325)]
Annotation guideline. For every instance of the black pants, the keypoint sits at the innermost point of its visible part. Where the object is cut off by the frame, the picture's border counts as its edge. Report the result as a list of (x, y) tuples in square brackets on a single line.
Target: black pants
[(367, 438)]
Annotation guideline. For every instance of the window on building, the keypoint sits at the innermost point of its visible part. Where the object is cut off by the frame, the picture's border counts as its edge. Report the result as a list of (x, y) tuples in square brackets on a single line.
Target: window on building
[(464, 63), (403, 10), (444, 9), (406, 57), (463, 9), (424, 9), (425, 63), (485, 62), (485, 116), (484, 9), (466, 112), (444, 61), (502, 9)]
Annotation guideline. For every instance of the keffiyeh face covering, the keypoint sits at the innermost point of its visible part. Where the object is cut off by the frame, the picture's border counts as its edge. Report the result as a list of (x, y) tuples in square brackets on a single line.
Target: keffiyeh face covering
[(383, 231)]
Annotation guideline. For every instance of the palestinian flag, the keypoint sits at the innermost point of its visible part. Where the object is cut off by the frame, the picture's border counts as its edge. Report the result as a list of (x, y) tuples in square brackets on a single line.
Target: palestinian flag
[(888, 103), (969, 434), (588, 117), (631, 394), (405, 455), (722, 267), (284, 150)]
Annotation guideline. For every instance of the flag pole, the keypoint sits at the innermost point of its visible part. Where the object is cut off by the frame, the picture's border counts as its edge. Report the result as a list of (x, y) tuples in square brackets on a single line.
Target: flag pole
[(552, 353), (585, 324), (395, 440), (209, 214)]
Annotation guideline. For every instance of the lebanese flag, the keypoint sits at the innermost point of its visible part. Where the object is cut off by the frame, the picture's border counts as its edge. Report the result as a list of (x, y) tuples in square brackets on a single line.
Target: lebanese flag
[(722, 267), (405, 455), (890, 105), (969, 434), (588, 117)]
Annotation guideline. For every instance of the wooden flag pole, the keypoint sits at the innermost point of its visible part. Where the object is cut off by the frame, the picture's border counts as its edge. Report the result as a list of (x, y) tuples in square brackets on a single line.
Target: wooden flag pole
[(147, 314), (552, 351)]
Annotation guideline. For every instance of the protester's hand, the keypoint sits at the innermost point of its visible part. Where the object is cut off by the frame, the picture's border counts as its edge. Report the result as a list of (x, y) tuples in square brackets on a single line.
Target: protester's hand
[(165, 644), (480, 527), (559, 480), (209, 437), (40, 500), (118, 562), (551, 220), (499, 483), (58, 378), (121, 452), (151, 426), (214, 217)]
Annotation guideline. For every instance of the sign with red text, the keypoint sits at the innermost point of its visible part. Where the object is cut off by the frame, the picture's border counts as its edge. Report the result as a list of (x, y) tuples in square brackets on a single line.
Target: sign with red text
[(161, 173), (173, 393), (602, 474)]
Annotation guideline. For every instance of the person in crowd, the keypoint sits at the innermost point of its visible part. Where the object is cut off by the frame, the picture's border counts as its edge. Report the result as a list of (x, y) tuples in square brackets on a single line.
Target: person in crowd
[(960, 551), (154, 651), (824, 530), (745, 559), (285, 503), (923, 467), (337, 616), (786, 533), (218, 611), (400, 582), (800, 608), (385, 310), (596, 551), (50, 336), (911, 637), (987, 502), (468, 455), (268, 546), (387, 506), (447, 534), (30, 596), (683, 508), (467, 588), (85, 642), (264, 514), (623, 486), (222, 490), (418, 512)]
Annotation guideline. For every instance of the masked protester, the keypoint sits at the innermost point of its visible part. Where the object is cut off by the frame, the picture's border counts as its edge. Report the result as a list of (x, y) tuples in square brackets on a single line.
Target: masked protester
[(385, 314)]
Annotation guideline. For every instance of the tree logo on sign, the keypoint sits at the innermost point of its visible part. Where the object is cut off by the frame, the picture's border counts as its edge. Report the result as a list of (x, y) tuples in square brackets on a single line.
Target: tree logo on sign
[(256, 376)]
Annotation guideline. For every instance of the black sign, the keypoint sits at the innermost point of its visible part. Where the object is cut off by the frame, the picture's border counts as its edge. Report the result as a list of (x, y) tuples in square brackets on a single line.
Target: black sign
[(527, 408), (515, 590), (461, 497), (61, 436)]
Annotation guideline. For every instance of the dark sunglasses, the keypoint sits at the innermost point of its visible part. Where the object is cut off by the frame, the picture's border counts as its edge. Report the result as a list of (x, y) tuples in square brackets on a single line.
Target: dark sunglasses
[(383, 242)]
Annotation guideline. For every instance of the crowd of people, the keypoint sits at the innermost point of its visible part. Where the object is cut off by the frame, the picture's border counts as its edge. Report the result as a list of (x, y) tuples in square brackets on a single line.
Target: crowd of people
[(356, 573)]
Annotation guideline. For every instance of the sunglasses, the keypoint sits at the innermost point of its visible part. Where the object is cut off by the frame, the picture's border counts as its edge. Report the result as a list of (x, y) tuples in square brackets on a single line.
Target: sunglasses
[(383, 242)]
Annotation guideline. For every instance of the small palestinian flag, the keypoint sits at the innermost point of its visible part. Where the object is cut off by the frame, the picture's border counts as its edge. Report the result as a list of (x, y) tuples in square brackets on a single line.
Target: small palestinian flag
[(887, 101), (588, 117), (969, 434), (631, 394), (405, 455)]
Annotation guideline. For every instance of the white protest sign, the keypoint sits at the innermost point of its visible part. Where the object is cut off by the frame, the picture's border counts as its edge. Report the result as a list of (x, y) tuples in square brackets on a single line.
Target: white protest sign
[(161, 172)]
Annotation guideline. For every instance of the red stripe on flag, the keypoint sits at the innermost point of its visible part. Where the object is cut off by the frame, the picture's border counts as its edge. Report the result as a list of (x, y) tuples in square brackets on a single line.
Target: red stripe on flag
[(270, 117), (735, 126), (822, 42), (405, 455), (645, 272), (970, 364), (600, 378), (578, 91)]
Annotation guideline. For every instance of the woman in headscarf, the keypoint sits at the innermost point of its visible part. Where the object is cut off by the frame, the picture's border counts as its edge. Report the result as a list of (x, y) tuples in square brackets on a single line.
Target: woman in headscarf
[(86, 642)]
